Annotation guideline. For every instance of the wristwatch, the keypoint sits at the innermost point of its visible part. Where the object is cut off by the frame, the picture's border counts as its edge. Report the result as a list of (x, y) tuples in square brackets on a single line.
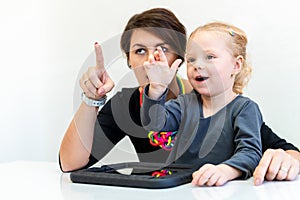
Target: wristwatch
[(92, 102)]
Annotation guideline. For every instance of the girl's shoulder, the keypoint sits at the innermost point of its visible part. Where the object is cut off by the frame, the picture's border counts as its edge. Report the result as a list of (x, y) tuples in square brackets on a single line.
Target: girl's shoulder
[(243, 103), (241, 99)]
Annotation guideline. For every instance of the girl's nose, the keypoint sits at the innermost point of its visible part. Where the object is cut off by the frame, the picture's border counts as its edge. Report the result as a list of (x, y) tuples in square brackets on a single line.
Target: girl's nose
[(198, 66)]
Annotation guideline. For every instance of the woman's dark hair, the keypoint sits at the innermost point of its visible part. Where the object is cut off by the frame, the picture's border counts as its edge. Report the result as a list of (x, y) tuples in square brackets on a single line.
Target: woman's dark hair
[(161, 22)]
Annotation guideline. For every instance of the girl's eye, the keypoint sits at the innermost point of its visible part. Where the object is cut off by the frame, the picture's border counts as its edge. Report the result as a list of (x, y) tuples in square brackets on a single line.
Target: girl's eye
[(140, 51), (191, 60), (209, 57)]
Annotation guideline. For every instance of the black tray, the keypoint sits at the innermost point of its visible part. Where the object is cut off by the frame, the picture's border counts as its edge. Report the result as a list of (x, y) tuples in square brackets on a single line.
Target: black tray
[(140, 176)]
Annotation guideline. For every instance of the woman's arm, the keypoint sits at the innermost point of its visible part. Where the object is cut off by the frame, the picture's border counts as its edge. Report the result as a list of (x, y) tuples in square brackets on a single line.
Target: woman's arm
[(272, 141), (77, 142)]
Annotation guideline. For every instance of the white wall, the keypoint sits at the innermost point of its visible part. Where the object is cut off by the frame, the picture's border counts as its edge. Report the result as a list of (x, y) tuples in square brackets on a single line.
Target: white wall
[(43, 45)]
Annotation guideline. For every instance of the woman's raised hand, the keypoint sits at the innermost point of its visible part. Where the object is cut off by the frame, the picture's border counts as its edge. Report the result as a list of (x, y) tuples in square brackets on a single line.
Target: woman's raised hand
[(96, 82)]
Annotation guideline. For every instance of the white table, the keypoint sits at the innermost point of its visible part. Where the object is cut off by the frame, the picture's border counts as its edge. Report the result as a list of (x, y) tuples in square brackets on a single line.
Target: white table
[(44, 180)]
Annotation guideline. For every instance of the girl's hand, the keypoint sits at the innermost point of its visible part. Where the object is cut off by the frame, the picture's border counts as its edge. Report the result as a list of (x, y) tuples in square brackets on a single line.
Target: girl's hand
[(217, 175), (159, 73)]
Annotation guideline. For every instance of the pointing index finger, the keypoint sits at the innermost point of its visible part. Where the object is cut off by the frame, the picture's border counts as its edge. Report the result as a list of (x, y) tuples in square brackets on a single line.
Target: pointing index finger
[(99, 57), (262, 168)]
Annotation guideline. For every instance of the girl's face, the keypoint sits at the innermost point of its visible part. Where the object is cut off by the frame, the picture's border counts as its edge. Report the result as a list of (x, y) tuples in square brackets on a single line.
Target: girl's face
[(210, 64), (143, 44)]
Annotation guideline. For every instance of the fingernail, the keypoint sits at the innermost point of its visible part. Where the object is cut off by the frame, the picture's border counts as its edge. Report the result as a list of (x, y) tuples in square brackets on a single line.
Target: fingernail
[(101, 91), (257, 181)]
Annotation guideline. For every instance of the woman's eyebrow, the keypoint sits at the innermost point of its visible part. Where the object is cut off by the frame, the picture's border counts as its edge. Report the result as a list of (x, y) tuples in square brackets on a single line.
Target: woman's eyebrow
[(142, 45), (160, 44), (138, 45)]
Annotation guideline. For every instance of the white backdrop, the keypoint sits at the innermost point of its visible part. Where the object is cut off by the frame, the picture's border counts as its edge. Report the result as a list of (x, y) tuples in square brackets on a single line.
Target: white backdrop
[(43, 45)]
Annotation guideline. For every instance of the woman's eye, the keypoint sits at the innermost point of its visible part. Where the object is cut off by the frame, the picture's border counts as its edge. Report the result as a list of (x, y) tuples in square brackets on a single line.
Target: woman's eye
[(164, 49), (140, 51)]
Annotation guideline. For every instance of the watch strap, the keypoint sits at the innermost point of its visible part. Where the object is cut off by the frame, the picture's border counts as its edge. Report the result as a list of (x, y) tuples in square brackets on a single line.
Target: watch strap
[(93, 102)]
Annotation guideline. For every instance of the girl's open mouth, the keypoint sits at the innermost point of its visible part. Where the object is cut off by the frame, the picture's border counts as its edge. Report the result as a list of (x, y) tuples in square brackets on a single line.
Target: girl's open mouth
[(201, 78)]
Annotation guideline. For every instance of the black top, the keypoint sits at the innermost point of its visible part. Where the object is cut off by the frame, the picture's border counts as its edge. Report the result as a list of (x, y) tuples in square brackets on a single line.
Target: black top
[(272, 141)]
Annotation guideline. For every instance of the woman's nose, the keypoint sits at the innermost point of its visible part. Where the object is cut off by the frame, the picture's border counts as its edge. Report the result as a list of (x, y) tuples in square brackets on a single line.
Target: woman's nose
[(153, 54), (151, 50)]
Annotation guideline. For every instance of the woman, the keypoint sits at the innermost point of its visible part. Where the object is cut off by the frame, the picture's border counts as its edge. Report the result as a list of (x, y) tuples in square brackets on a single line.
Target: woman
[(120, 116), (91, 135)]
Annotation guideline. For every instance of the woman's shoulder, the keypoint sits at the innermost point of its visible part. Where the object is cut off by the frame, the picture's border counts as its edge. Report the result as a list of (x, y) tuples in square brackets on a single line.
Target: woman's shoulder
[(123, 97), (126, 92)]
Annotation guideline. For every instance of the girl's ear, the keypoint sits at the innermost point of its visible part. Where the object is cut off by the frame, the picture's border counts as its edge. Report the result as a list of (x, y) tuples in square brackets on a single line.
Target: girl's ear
[(238, 64)]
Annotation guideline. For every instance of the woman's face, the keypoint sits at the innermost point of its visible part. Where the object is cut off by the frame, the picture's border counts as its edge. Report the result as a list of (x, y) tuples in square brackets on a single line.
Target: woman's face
[(142, 45)]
